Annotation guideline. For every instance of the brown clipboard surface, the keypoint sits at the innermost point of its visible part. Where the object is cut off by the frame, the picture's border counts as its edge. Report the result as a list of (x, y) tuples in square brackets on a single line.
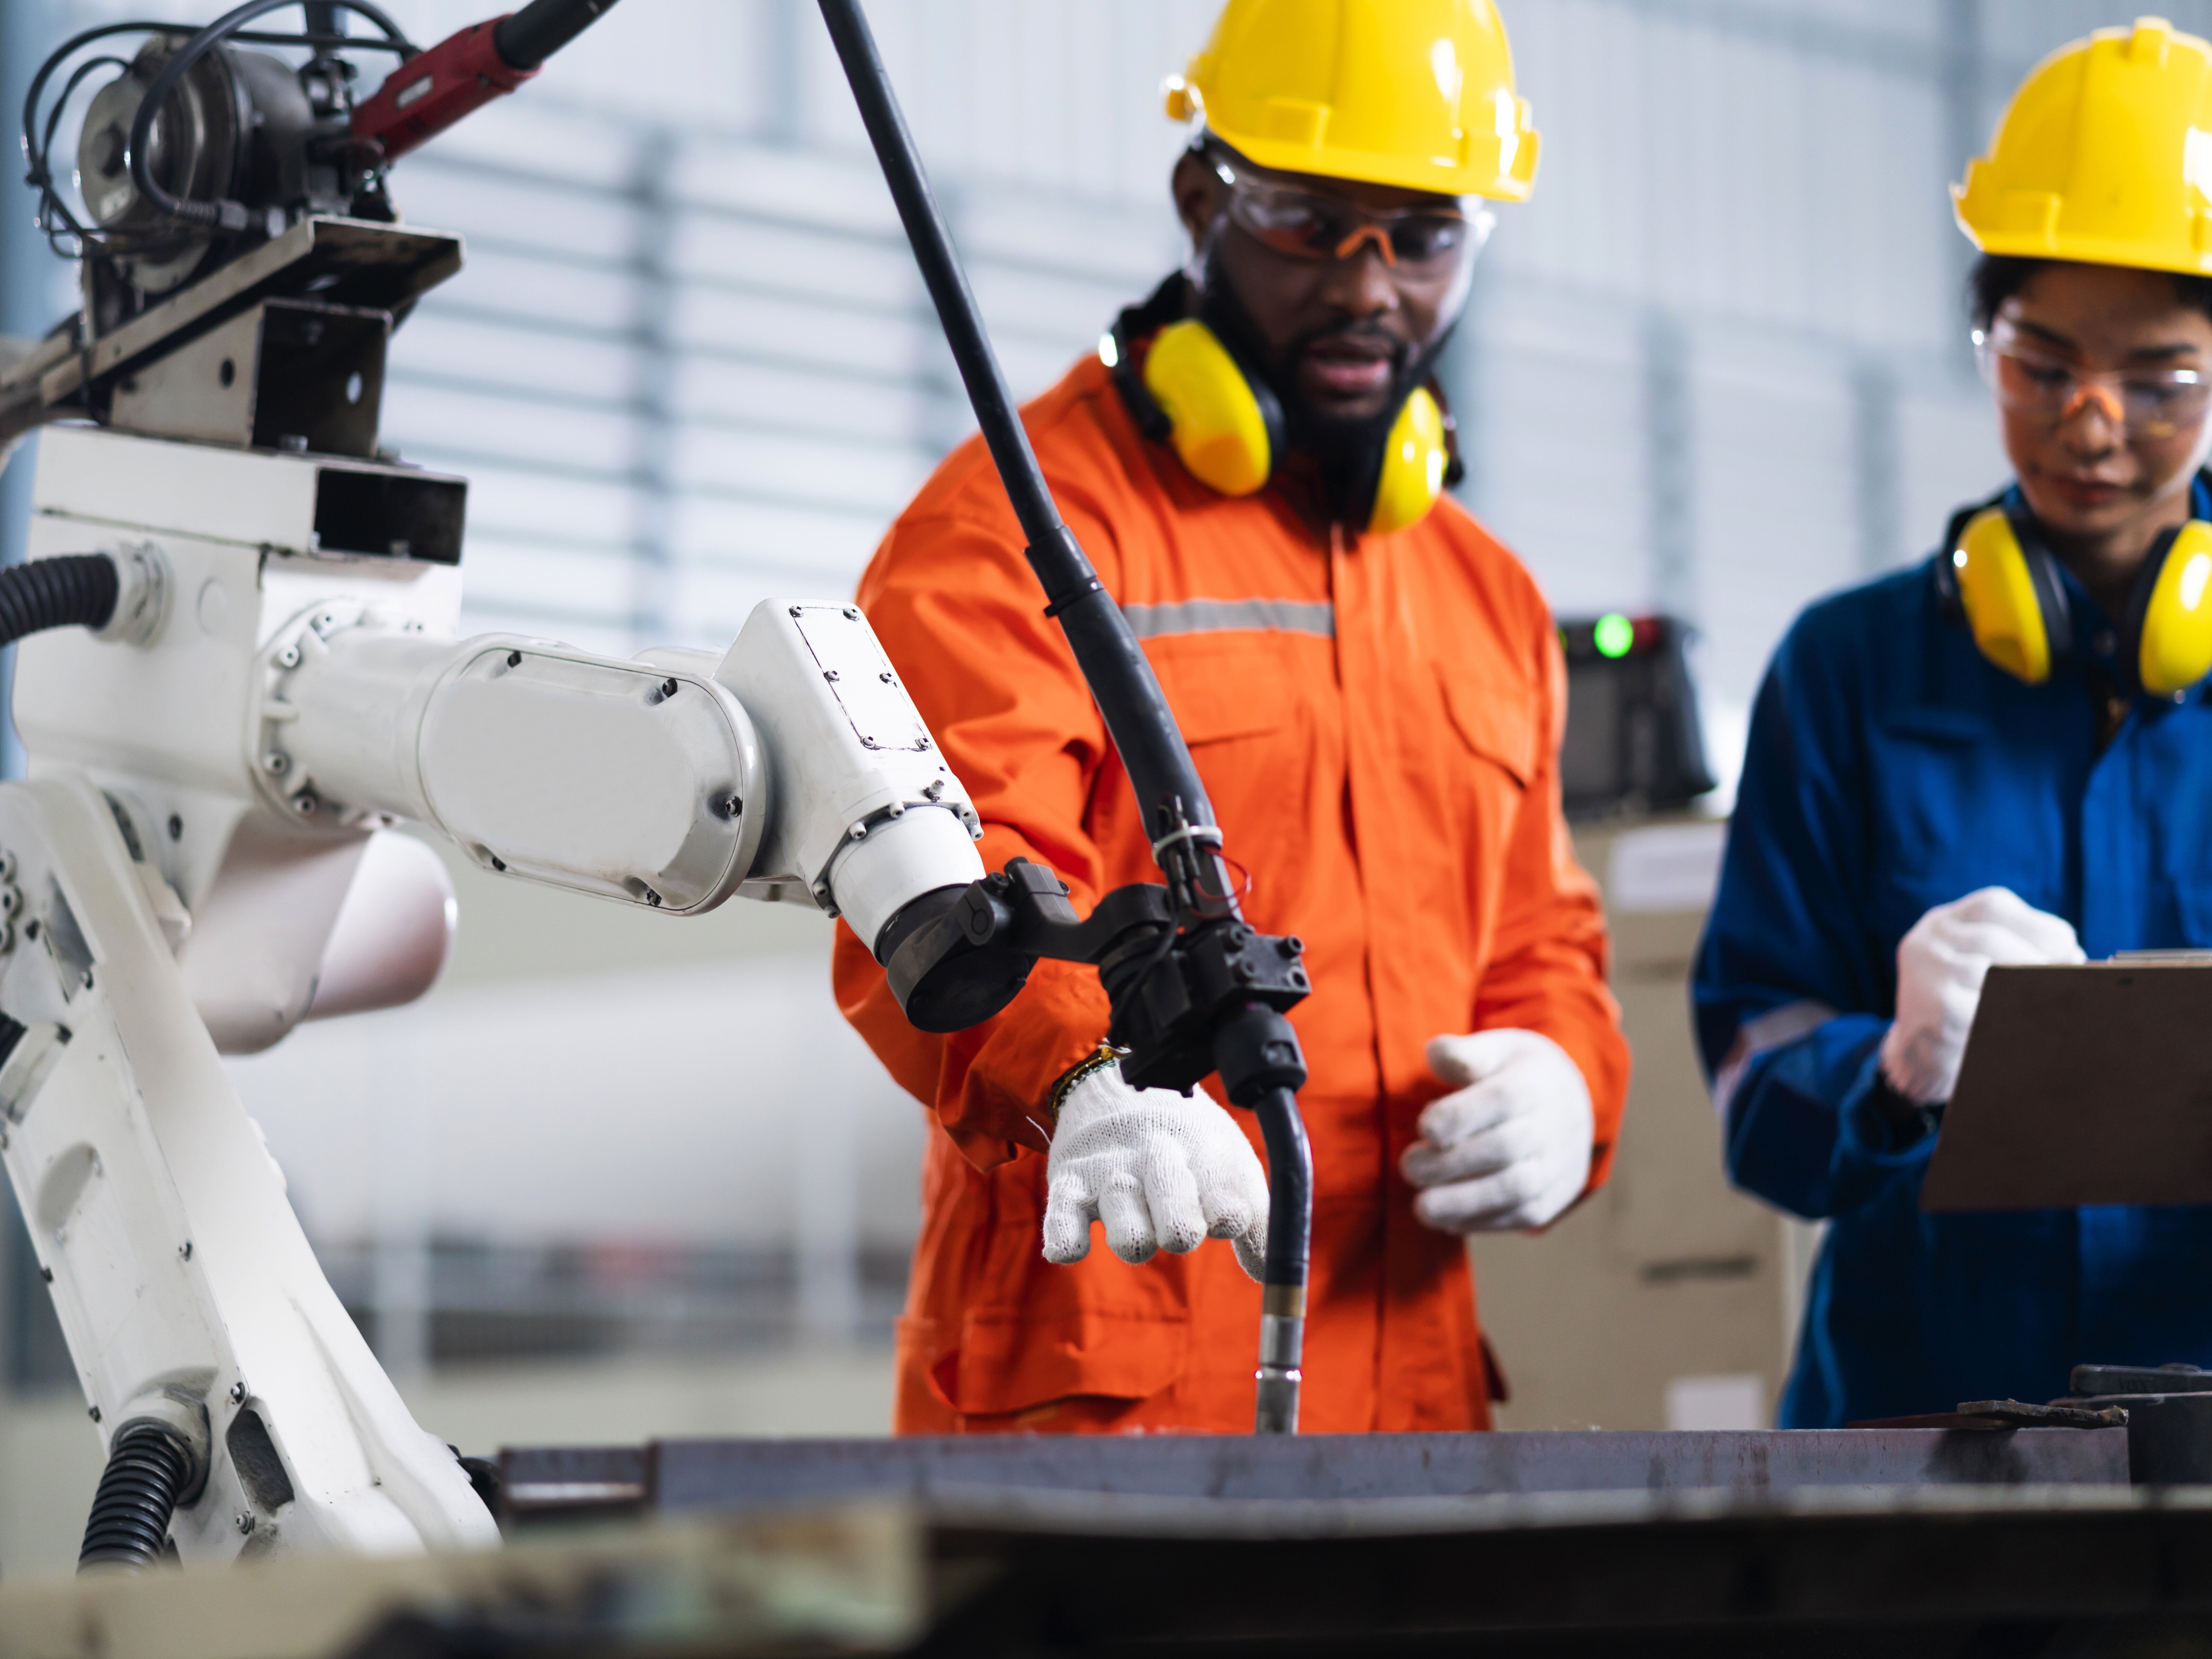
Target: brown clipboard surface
[(2088, 1084)]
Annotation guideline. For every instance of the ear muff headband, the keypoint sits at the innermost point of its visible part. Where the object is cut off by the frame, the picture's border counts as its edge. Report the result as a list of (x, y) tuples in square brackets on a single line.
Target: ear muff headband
[(2014, 610), (1223, 423), (2173, 631)]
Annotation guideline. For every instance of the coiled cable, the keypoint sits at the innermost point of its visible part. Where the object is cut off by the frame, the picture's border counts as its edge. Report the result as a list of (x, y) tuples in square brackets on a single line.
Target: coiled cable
[(79, 588), (147, 1468)]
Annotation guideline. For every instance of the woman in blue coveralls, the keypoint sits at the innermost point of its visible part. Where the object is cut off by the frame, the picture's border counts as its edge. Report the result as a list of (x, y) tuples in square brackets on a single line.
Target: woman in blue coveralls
[(2001, 755)]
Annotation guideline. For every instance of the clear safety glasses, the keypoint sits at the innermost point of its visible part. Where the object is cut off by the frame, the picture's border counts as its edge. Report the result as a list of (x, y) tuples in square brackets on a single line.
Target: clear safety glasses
[(1317, 227), (2037, 381)]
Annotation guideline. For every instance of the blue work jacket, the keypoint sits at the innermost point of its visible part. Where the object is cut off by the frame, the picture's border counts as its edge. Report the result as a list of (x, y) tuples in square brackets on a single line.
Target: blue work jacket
[(1892, 769)]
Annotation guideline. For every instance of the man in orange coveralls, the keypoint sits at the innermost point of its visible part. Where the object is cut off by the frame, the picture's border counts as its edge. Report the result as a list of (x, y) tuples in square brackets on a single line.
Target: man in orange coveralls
[(1372, 690)]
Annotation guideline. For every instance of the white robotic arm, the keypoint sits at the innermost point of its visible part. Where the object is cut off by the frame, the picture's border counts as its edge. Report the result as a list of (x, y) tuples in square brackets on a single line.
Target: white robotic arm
[(647, 780), (267, 679), (186, 876), (268, 706)]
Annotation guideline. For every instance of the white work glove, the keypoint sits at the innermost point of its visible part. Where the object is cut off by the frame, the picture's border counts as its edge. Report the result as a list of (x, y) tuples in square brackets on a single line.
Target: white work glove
[(1941, 965), (1511, 1149), (1162, 1171)]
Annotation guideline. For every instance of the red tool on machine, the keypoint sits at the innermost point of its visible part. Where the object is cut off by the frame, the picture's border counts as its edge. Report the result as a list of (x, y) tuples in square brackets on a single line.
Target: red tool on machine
[(466, 72)]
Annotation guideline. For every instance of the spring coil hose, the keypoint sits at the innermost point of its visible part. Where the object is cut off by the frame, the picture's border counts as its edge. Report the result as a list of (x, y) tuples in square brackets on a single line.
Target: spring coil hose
[(77, 587), (129, 1526)]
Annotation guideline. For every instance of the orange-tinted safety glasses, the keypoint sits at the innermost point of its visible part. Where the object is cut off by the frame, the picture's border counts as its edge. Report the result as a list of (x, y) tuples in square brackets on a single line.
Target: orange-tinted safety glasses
[(2038, 380), (1318, 226)]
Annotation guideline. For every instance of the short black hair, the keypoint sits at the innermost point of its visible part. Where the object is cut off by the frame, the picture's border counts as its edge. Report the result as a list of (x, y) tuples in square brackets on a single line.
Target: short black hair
[(1995, 278)]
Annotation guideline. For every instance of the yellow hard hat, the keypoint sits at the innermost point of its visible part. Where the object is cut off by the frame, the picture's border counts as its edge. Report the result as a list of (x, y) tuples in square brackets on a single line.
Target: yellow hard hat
[(2104, 157), (1414, 93)]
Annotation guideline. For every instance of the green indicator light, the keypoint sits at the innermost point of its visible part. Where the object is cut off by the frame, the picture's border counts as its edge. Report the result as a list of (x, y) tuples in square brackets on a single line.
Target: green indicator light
[(1614, 635)]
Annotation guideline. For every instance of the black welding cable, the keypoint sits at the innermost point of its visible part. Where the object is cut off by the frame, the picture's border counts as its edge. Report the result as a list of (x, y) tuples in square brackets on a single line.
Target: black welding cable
[(76, 588), (541, 29), (1290, 1243), (1114, 664)]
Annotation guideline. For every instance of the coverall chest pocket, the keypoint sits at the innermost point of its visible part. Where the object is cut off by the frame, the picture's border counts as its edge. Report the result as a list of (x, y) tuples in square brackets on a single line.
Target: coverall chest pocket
[(1492, 718), (1464, 790), (1949, 818)]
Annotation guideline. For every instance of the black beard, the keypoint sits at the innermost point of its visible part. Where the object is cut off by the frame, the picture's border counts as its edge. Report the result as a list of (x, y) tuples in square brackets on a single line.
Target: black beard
[(1345, 455)]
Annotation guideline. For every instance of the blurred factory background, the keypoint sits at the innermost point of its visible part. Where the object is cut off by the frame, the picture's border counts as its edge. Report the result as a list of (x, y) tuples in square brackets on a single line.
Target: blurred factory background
[(619, 1175)]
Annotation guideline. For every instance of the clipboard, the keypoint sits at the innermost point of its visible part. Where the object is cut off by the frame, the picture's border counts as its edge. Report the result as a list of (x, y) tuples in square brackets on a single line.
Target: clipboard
[(2083, 1084)]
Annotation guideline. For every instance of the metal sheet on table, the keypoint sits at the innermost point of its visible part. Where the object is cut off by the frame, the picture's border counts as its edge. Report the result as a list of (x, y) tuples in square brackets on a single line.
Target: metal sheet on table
[(696, 1474)]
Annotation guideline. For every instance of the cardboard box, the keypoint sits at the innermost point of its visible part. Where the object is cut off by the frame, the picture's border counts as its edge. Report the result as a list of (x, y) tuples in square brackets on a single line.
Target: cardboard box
[(1667, 1299)]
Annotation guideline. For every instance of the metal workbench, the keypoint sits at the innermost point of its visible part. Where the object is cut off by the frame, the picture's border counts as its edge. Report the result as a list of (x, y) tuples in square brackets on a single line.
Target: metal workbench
[(1910, 1543), (1917, 1540)]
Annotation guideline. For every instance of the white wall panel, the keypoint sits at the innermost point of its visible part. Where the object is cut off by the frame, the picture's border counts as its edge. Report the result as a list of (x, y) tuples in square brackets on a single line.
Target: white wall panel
[(509, 354), (1899, 23), (715, 386), (784, 329), (530, 577), (1774, 515), (1715, 171), (1556, 416), (2028, 29), (1949, 456), (828, 543), (557, 508), (748, 251), (798, 468), (509, 284)]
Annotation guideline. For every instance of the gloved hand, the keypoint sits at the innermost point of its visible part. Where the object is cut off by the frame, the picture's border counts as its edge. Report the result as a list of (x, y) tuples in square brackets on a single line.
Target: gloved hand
[(1162, 1171), (1511, 1149), (1941, 965)]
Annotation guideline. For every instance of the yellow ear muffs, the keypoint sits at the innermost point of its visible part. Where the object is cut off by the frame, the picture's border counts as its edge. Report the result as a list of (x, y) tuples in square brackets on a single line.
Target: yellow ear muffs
[(1416, 458), (2173, 631), (1217, 424), (1192, 392), (2010, 598), (2005, 586)]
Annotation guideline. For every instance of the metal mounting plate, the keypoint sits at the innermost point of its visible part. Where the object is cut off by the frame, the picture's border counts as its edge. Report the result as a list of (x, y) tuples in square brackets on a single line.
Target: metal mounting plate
[(344, 262)]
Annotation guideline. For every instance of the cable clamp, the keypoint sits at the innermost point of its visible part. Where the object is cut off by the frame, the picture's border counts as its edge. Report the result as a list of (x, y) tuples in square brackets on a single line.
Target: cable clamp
[(1198, 834), (1090, 585)]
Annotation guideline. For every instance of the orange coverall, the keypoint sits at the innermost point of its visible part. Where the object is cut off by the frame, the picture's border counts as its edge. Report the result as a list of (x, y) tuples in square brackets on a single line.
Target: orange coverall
[(1377, 721)]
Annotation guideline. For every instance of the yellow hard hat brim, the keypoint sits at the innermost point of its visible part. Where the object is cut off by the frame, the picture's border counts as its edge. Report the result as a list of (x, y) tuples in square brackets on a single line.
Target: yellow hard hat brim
[(2049, 242), (1509, 173)]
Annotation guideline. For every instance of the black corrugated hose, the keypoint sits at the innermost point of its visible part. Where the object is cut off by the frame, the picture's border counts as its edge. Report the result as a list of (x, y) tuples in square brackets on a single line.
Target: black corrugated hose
[(42, 593), (131, 1513)]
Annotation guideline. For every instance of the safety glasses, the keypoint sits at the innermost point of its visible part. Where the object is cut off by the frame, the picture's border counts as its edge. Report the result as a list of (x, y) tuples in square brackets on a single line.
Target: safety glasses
[(1317, 227), (2037, 381)]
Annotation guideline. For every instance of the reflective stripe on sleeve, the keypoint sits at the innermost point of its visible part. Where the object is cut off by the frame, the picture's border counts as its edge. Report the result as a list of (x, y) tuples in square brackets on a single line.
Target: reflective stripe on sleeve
[(1157, 621), (1777, 1028)]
